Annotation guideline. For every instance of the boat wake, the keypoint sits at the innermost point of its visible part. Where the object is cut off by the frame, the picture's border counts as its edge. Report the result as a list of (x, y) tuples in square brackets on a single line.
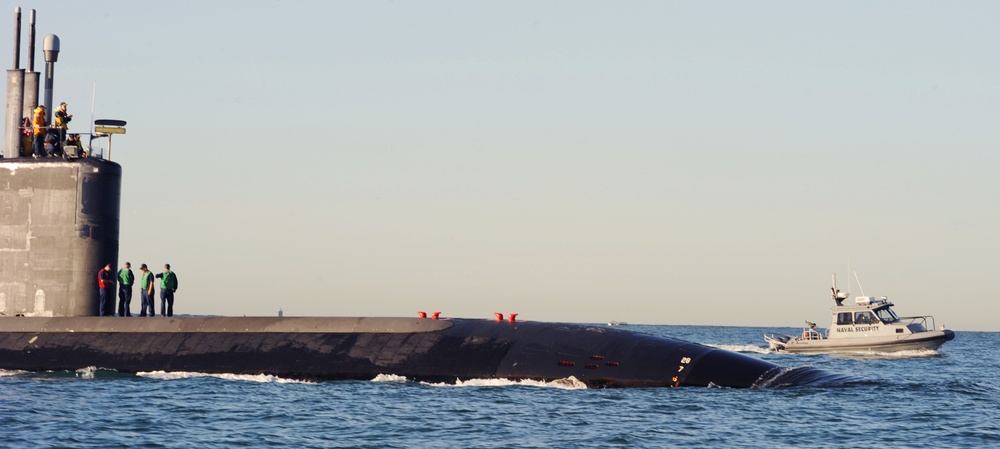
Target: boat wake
[(90, 372), (802, 376), (751, 349), (911, 354), (257, 378), (389, 378), (87, 373), (569, 383)]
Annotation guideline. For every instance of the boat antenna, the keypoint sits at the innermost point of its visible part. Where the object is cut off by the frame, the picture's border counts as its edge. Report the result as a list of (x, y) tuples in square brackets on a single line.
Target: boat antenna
[(836, 293), (848, 275), (93, 98), (859, 283)]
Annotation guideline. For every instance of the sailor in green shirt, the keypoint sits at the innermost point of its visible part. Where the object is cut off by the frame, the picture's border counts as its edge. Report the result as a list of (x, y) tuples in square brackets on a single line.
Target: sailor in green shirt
[(168, 285), (146, 284), (125, 281)]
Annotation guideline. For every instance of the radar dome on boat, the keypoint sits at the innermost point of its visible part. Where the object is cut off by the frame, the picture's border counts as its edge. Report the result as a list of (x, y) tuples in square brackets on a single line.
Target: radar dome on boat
[(865, 300)]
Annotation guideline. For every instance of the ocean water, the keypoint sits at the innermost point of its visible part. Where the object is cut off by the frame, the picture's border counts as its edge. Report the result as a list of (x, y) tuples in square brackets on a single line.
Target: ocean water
[(944, 398)]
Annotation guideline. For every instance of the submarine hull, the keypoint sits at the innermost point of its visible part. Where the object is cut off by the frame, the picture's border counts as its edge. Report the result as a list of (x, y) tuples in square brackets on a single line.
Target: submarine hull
[(361, 348)]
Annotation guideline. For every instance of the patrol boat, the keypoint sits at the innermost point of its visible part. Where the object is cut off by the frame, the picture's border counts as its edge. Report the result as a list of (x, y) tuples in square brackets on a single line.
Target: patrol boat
[(868, 325)]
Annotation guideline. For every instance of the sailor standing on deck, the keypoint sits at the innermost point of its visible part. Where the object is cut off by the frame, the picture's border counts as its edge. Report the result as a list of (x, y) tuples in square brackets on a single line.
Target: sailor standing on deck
[(62, 118), (27, 137), (104, 283), (40, 129), (125, 281), (168, 285), (146, 284)]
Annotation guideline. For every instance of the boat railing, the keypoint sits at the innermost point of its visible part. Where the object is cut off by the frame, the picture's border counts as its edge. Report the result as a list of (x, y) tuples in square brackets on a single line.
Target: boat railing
[(922, 320), (811, 334)]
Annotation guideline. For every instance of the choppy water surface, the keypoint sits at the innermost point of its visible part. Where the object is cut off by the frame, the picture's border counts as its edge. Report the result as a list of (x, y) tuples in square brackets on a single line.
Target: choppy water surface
[(948, 398)]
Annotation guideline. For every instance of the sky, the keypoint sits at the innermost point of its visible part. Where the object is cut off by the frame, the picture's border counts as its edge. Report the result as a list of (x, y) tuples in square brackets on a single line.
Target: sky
[(705, 163)]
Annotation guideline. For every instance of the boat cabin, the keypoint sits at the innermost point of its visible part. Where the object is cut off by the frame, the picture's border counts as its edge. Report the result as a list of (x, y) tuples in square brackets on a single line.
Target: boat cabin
[(875, 311), (870, 315)]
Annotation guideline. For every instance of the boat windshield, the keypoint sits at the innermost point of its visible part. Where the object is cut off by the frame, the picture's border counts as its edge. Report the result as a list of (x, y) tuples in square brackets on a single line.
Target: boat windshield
[(886, 315), (845, 318)]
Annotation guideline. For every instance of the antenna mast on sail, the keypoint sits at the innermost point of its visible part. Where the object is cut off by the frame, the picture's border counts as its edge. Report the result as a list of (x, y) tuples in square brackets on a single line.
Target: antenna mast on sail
[(93, 100)]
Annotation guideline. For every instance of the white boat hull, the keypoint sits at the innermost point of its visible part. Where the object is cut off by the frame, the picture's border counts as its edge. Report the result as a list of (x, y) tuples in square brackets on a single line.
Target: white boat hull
[(927, 340)]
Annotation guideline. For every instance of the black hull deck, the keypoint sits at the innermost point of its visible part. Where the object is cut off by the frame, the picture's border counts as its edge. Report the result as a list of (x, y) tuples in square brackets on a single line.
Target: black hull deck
[(362, 348)]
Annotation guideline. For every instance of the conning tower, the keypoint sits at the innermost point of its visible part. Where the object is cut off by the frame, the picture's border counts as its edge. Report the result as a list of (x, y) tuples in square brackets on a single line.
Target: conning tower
[(59, 216), (59, 223)]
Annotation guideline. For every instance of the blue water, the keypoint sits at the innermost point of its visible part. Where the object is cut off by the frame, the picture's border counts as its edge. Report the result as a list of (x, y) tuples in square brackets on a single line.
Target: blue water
[(947, 398)]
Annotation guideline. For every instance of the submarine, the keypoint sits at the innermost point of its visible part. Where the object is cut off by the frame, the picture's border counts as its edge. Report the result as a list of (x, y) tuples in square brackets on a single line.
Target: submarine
[(59, 225), (361, 348)]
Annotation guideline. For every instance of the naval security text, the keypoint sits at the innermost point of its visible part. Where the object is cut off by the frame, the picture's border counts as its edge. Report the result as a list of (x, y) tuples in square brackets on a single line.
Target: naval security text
[(857, 329)]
